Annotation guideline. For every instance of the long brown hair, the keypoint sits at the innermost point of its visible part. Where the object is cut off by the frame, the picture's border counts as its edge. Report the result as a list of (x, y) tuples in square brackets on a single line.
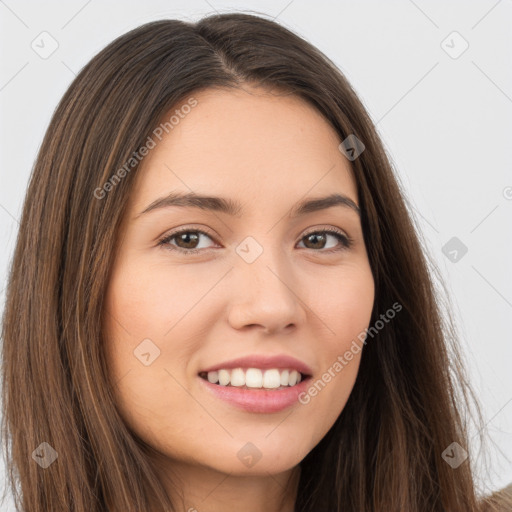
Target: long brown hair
[(408, 405)]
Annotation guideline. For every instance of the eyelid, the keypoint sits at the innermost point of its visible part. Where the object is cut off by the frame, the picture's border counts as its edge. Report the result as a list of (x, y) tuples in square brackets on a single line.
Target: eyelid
[(186, 229), (322, 229)]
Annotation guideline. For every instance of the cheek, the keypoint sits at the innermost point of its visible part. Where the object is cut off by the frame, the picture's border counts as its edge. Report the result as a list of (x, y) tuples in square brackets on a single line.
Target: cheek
[(147, 306), (345, 303), (148, 300), (140, 310)]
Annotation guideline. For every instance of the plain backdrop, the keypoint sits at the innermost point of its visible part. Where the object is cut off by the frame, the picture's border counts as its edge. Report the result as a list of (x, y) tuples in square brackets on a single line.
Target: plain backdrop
[(436, 78)]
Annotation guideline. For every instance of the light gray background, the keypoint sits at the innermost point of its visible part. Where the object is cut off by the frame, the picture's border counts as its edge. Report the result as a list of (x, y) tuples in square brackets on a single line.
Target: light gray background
[(446, 123)]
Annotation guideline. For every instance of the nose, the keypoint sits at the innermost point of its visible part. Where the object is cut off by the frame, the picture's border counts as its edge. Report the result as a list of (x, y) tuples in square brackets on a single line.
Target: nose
[(264, 295)]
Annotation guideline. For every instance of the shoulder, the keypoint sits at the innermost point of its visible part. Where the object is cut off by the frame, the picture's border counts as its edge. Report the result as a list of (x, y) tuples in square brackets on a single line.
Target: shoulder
[(498, 501)]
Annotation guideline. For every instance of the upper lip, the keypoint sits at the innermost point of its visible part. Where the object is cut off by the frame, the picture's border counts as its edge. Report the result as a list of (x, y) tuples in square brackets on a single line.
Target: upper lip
[(263, 362)]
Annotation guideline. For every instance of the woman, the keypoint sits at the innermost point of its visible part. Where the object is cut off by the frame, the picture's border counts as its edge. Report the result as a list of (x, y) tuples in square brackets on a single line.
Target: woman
[(298, 361)]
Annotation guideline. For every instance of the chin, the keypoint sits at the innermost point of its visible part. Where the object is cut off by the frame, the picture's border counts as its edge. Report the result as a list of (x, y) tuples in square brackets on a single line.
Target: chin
[(257, 458)]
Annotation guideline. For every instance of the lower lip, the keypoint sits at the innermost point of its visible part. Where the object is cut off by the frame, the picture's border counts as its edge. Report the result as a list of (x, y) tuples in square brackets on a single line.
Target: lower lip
[(258, 400)]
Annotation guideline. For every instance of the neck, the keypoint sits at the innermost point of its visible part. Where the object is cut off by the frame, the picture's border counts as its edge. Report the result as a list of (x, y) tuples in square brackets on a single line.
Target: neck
[(202, 489)]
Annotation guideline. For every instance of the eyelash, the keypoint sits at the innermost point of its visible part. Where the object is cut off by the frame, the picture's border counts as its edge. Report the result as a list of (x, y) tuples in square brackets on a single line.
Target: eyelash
[(346, 241)]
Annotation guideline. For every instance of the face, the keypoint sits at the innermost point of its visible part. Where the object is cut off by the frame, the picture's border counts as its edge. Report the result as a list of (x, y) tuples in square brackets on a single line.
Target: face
[(268, 285)]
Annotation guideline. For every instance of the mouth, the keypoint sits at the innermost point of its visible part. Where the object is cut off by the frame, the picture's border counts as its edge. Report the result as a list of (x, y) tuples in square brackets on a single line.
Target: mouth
[(269, 379)]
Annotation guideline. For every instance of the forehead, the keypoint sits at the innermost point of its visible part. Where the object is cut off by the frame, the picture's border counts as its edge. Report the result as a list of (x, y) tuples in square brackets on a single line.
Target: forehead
[(251, 144)]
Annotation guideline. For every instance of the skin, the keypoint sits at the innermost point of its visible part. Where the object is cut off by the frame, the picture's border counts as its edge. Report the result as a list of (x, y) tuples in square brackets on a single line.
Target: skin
[(267, 151)]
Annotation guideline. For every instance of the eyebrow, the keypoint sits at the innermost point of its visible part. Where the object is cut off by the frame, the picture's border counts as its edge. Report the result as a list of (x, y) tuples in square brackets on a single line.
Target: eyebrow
[(235, 209)]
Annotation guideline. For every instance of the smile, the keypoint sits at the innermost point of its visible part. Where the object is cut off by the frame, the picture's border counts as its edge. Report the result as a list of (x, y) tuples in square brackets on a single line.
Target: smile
[(254, 378), (256, 390)]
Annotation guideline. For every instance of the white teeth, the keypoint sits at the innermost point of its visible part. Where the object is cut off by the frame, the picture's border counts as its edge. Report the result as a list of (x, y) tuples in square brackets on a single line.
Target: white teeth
[(224, 377), (271, 379), (237, 377), (255, 378), (213, 377)]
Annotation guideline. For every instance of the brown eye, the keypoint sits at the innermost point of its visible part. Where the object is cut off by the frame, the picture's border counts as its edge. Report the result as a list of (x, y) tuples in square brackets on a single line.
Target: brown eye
[(189, 240), (186, 240), (318, 240)]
